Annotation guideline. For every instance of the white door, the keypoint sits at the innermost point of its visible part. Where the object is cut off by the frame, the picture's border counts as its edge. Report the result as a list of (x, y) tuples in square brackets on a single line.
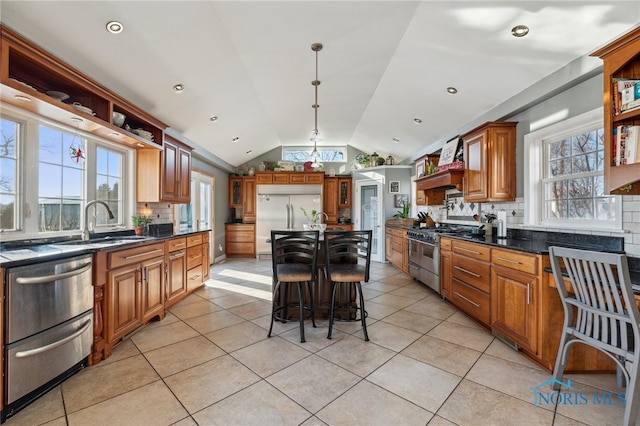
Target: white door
[(369, 214), (198, 214)]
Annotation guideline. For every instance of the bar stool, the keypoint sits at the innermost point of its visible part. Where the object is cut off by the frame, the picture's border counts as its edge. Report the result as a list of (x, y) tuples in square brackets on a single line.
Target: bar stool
[(347, 262), (295, 258)]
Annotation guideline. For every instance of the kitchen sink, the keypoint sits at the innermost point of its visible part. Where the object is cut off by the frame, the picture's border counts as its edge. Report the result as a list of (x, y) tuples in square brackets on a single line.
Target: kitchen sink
[(104, 241)]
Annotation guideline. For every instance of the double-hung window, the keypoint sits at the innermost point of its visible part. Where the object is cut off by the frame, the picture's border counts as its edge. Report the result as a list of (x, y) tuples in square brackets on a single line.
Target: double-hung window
[(564, 180)]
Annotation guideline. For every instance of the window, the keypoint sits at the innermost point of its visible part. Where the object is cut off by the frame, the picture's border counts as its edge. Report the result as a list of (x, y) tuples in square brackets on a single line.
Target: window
[(109, 174), (301, 154), (565, 181), (9, 172), (61, 180)]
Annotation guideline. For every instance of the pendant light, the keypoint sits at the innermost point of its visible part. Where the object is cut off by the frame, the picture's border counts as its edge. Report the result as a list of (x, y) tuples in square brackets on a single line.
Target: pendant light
[(315, 135)]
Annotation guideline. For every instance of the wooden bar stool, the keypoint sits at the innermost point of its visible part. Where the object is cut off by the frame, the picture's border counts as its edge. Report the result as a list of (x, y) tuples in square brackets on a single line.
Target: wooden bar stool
[(347, 262), (295, 258)]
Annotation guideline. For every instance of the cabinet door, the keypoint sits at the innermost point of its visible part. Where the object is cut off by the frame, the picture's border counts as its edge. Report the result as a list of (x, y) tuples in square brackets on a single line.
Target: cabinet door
[(176, 277), (249, 200), (344, 188), (152, 294), (235, 192), (123, 301), (405, 254), (169, 183), (502, 164), (330, 205), (206, 262), (445, 274), (387, 245), (184, 175), (475, 174), (514, 306)]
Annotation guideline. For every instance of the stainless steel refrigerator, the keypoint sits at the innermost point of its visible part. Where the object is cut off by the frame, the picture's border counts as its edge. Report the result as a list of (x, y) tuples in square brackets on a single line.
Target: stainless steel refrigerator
[(279, 208)]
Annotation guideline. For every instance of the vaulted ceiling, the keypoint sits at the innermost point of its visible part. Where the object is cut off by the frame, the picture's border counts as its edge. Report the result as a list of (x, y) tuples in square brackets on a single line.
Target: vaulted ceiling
[(383, 64)]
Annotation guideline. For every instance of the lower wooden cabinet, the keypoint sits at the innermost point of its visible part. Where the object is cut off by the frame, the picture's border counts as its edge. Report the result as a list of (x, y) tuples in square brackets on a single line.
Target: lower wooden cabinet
[(240, 239), (397, 248), (176, 270), (445, 268)]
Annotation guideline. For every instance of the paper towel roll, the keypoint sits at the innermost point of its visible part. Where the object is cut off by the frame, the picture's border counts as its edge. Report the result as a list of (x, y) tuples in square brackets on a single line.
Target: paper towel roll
[(502, 224)]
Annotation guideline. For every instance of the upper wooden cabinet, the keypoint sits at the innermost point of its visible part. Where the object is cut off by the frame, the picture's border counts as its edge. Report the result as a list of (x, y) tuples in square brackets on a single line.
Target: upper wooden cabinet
[(490, 162), (621, 61), (235, 192), (344, 192), (285, 178), (249, 200), (29, 75), (330, 199), (165, 176)]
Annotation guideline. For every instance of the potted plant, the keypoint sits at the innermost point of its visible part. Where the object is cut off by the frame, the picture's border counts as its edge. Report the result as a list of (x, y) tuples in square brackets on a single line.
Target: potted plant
[(402, 216), (314, 219), (140, 222)]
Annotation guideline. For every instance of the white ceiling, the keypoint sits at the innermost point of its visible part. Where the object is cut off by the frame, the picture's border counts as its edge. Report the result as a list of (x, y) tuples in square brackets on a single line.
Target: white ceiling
[(383, 63)]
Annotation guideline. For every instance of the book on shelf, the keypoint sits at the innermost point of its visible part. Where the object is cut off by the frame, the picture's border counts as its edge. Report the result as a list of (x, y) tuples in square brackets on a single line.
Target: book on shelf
[(626, 95), (626, 141)]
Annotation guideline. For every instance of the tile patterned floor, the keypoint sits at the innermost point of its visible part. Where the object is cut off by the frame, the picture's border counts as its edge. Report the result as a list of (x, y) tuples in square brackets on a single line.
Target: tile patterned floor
[(210, 362)]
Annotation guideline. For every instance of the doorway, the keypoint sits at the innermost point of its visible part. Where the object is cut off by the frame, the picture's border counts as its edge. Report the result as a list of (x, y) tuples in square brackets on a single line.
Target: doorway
[(199, 213), (369, 204)]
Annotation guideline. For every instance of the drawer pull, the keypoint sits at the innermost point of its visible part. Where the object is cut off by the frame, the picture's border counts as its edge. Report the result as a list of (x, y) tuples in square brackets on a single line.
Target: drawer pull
[(528, 293), (467, 271), (48, 278), (133, 256), (508, 260), (196, 256), (195, 277), (467, 299), (178, 244), (468, 250)]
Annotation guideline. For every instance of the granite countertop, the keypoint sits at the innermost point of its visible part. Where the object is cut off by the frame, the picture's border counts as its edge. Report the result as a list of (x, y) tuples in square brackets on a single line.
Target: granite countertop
[(25, 252)]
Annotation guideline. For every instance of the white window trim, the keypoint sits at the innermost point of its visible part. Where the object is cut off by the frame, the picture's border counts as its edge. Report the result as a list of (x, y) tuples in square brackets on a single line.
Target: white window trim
[(533, 173), (341, 148), (28, 177)]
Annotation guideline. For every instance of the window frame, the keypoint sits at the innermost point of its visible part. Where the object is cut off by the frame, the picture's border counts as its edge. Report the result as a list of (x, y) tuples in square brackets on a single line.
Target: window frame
[(28, 196), (535, 161), (321, 149)]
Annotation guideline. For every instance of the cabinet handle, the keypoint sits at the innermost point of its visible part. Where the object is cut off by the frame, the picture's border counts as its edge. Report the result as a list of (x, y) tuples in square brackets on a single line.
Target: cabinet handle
[(195, 256), (528, 293), (178, 244), (133, 256), (467, 272), (195, 277), (467, 299), (508, 260), (468, 251), (47, 278)]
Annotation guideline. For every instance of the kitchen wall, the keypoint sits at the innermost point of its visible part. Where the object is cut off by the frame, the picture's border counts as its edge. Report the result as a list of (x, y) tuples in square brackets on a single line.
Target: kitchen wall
[(572, 102)]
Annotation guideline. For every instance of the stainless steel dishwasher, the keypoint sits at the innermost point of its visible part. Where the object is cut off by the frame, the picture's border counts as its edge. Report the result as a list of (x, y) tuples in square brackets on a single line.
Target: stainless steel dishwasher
[(49, 330)]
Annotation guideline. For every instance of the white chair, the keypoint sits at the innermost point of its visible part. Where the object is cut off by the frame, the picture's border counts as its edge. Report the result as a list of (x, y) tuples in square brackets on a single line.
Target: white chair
[(599, 311)]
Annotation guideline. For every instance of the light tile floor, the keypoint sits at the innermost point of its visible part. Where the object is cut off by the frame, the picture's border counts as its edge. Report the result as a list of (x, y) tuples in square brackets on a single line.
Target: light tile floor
[(210, 362)]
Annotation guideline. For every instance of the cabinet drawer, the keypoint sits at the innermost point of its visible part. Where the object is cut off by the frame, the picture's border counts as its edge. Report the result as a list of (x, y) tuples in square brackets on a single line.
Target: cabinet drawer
[(396, 232), (472, 272), (240, 237), (205, 237), (470, 300), (298, 178), (194, 257), (240, 248), (135, 255), (316, 178), (445, 244), (194, 240), (515, 260), (264, 177), (176, 244), (476, 251), (194, 278)]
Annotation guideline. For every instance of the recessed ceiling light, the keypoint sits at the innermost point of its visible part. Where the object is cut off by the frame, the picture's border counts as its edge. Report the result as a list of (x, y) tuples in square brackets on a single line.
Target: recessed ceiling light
[(22, 98), (114, 27), (178, 87), (519, 31), (452, 90), (249, 152), (396, 140), (236, 139), (213, 118), (417, 120)]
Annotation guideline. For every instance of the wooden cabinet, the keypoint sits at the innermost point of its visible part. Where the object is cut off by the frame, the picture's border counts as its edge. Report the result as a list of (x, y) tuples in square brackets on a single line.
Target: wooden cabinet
[(514, 297), (344, 192), (166, 175), (470, 278), (206, 256), (445, 267), (330, 199), (285, 178), (235, 192), (240, 240), (430, 190), (490, 163), (176, 284), (26, 70), (249, 200), (340, 227), (397, 248), (621, 60), (135, 289)]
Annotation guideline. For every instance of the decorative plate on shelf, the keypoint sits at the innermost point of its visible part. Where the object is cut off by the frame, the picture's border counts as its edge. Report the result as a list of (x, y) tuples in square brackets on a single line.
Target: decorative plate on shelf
[(61, 96), (308, 167)]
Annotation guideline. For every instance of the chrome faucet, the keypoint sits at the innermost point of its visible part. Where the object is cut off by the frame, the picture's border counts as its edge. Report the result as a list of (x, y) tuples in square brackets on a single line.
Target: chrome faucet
[(85, 231)]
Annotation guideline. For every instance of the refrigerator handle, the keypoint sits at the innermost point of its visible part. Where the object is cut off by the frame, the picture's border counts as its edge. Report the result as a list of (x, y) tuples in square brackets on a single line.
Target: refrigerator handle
[(288, 216)]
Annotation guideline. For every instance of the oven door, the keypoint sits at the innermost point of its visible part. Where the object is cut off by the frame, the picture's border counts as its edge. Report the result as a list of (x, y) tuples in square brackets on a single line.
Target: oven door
[(426, 255)]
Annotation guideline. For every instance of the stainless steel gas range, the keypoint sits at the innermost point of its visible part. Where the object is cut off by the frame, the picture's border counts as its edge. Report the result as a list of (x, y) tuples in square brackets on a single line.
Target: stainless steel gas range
[(424, 252)]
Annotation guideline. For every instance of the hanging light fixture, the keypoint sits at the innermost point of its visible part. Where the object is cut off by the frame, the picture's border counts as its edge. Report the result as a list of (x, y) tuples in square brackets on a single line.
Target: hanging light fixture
[(315, 135)]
